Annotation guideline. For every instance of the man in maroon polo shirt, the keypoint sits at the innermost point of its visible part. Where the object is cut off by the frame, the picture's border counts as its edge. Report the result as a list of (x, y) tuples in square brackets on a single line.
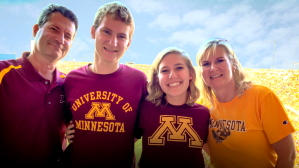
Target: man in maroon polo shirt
[(32, 100)]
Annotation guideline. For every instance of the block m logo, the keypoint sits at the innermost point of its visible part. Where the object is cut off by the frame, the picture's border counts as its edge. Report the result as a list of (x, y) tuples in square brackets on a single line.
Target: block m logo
[(99, 109), (175, 134)]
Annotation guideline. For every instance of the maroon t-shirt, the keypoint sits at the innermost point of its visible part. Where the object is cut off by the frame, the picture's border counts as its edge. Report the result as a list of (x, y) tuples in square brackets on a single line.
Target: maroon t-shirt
[(172, 136), (31, 115), (104, 109)]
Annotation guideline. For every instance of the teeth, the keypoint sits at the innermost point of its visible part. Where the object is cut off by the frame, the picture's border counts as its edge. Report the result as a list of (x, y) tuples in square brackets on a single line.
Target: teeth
[(109, 50), (215, 76), (174, 84)]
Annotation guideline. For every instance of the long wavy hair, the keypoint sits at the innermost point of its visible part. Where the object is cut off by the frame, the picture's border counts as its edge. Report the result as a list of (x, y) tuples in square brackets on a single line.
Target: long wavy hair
[(241, 79), (156, 94)]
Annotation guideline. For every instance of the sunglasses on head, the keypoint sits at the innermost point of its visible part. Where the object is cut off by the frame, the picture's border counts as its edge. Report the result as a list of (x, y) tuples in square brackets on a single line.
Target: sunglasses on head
[(219, 39)]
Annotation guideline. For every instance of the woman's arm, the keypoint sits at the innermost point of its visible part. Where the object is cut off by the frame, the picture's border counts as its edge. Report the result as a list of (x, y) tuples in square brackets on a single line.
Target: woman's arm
[(206, 148), (286, 152)]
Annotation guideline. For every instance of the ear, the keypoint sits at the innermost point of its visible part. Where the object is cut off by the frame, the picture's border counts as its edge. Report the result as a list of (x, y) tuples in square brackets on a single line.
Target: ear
[(233, 67), (35, 30), (190, 75), (92, 32), (128, 45)]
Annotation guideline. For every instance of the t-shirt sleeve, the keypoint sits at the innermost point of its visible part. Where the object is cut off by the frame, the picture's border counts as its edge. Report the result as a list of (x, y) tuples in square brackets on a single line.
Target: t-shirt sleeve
[(207, 132), (68, 115), (275, 121), (137, 131), (144, 90)]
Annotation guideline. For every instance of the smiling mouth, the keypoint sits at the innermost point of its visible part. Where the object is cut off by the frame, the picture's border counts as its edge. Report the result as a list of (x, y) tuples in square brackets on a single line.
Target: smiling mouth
[(60, 46), (212, 77), (174, 84), (110, 50)]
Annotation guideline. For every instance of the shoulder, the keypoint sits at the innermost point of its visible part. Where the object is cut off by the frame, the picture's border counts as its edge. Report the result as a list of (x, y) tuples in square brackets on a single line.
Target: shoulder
[(200, 108), (60, 77), (146, 104), (134, 72), (259, 90), (61, 74), (147, 107), (75, 72), (9, 63)]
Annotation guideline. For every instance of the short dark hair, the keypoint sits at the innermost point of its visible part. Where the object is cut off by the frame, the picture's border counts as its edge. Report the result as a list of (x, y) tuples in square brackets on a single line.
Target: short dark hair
[(51, 8)]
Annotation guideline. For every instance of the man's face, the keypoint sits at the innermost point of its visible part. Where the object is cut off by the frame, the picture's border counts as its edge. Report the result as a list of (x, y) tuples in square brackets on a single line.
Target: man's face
[(111, 39), (54, 39)]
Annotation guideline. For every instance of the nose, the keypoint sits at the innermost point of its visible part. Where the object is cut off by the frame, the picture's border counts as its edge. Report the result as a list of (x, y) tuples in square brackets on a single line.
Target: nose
[(172, 74), (214, 67), (113, 41), (60, 38)]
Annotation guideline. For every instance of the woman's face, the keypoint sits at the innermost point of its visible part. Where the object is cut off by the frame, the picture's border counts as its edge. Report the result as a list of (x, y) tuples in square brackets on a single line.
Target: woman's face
[(174, 76), (216, 71)]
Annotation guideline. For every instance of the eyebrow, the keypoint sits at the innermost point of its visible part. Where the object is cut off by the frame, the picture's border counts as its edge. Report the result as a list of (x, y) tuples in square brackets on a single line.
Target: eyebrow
[(216, 59), (174, 65), (68, 34), (106, 28)]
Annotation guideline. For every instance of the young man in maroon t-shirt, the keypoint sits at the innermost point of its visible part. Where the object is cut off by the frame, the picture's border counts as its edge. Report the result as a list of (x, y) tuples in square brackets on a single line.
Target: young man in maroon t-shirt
[(32, 99), (104, 96)]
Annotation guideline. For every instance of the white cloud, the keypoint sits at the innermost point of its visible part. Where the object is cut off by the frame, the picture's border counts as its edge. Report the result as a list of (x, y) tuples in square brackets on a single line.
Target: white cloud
[(197, 17), (155, 40), (25, 10), (165, 22), (133, 55), (194, 38), (286, 53), (252, 32), (32, 11), (79, 47), (146, 6), (10, 9), (238, 24)]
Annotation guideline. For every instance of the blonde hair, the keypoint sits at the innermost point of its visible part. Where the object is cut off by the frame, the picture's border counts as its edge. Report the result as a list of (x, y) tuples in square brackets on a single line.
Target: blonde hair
[(156, 94), (241, 79), (117, 11)]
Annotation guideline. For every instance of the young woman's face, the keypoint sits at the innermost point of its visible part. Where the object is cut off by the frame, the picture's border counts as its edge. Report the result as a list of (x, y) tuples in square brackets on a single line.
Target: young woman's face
[(174, 76), (216, 71)]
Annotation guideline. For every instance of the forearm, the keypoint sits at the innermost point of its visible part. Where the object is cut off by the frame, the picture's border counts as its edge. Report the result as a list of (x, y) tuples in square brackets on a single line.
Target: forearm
[(206, 148), (285, 162)]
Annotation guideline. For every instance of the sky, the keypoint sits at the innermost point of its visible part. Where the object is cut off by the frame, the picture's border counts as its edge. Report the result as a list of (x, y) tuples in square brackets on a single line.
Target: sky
[(263, 33)]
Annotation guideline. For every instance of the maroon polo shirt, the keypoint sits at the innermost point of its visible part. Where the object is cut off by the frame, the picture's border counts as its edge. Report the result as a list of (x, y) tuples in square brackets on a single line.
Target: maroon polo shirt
[(31, 114)]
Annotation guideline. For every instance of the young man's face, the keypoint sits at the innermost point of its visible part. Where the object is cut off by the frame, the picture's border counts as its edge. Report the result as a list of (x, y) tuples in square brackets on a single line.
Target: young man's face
[(54, 39), (111, 39)]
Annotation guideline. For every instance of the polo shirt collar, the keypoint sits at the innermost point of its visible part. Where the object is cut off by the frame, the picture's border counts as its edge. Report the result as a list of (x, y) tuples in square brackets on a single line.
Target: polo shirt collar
[(33, 75), (58, 77)]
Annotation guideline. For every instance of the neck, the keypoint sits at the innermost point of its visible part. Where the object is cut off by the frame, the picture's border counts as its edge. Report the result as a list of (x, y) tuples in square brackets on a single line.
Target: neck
[(102, 67), (226, 94), (177, 101), (43, 67)]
